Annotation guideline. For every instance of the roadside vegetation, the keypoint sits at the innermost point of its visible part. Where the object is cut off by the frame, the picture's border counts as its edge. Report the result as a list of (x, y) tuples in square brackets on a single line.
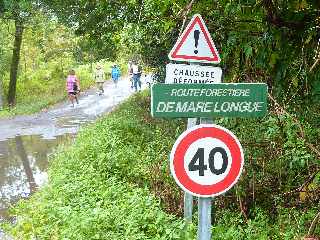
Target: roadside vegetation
[(48, 51), (114, 183), (274, 42)]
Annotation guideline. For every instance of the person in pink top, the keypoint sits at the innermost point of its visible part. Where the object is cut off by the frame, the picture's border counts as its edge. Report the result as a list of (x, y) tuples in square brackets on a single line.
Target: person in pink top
[(73, 87)]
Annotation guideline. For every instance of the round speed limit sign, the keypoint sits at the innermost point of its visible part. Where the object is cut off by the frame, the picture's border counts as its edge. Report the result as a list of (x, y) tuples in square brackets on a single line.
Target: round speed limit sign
[(206, 160)]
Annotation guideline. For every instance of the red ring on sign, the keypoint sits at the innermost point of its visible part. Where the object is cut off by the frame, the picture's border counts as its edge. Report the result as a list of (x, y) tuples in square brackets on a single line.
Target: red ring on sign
[(231, 177)]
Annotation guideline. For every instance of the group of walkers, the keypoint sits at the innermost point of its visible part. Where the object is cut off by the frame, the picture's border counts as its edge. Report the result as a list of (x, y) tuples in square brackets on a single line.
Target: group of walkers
[(73, 83)]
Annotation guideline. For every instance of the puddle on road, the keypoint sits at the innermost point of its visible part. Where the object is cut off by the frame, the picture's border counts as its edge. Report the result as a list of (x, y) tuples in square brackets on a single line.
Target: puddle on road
[(23, 166), (24, 159)]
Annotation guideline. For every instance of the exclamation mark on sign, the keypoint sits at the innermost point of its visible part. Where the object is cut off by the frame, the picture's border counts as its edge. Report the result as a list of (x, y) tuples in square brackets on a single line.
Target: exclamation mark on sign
[(196, 34)]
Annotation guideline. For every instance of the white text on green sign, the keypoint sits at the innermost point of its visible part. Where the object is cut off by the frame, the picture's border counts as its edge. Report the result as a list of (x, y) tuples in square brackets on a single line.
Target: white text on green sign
[(209, 100)]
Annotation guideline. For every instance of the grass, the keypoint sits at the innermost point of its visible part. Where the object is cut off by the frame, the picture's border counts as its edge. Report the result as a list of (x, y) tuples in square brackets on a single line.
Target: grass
[(114, 183), (31, 106), (97, 187)]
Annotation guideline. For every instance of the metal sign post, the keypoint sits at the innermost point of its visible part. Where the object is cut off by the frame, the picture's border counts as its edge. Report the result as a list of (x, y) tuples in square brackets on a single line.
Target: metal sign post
[(204, 208), (196, 32), (194, 45), (188, 207), (188, 198), (204, 218)]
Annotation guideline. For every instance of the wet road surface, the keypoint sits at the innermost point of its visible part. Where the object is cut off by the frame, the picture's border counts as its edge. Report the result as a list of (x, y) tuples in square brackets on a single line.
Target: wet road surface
[(26, 142)]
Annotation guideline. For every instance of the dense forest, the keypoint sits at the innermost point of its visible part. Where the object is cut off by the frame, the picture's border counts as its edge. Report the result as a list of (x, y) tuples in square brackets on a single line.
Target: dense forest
[(269, 41)]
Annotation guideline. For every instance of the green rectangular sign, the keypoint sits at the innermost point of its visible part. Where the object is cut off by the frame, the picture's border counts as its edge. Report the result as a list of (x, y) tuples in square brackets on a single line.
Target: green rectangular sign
[(209, 100)]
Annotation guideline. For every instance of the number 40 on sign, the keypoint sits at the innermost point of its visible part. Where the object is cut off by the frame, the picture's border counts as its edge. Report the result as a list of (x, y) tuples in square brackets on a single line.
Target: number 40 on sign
[(206, 160)]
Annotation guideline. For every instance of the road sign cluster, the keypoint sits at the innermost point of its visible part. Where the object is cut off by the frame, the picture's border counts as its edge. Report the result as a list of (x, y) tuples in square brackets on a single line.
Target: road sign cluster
[(197, 91), (206, 160)]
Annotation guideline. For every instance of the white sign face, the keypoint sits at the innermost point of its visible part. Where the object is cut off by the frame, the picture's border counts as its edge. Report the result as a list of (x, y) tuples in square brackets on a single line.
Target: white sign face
[(183, 73), (206, 160), (217, 161), (195, 44)]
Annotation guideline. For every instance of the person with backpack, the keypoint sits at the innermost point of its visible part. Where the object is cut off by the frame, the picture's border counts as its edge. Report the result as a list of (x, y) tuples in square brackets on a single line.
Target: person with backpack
[(115, 74), (136, 71), (73, 87), (99, 77)]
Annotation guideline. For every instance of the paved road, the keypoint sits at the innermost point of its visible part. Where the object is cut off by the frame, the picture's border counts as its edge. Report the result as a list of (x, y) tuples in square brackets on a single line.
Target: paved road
[(62, 118)]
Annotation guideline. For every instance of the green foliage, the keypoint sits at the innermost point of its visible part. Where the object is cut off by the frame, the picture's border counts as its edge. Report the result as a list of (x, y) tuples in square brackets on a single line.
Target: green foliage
[(288, 225), (98, 187), (47, 55), (5, 52), (16, 9), (265, 41), (277, 160), (114, 182), (112, 210)]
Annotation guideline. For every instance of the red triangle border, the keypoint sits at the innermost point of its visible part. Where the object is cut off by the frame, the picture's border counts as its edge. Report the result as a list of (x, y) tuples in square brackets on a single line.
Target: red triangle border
[(184, 37)]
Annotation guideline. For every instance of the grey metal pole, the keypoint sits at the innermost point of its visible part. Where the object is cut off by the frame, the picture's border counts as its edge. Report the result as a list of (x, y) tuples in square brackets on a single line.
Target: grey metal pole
[(188, 198), (204, 209), (188, 205), (204, 218)]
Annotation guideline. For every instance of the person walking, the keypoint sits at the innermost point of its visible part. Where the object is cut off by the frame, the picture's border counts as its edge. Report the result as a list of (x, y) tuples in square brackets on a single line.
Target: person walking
[(130, 74), (99, 77), (136, 71), (73, 87), (115, 74)]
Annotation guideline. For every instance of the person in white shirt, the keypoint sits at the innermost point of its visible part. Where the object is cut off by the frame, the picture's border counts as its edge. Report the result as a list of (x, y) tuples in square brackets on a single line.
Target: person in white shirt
[(136, 71), (130, 73), (99, 77)]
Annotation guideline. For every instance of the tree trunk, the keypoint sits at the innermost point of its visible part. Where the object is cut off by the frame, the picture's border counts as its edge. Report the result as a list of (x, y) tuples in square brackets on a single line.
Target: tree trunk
[(26, 164), (15, 62)]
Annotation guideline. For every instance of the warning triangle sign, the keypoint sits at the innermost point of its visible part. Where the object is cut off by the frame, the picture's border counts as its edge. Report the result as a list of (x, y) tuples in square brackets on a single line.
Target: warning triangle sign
[(195, 44)]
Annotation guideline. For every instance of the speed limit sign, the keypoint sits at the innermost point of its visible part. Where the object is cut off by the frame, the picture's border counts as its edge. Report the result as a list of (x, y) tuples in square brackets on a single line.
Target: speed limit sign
[(206, 160)]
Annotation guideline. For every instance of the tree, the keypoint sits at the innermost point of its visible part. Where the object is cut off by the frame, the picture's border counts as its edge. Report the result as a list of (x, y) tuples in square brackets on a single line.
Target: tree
[(19, 11), (15, 61), (99, 21), (4, 56), (257, 39)]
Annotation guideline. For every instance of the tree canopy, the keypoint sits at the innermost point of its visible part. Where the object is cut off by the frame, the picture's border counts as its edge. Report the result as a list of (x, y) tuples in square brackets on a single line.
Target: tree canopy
[(271, 41)]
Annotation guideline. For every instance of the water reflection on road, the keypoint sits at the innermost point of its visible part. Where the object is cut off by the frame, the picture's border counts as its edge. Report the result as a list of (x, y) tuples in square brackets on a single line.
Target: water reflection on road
[(26, 142), (23, 166)]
